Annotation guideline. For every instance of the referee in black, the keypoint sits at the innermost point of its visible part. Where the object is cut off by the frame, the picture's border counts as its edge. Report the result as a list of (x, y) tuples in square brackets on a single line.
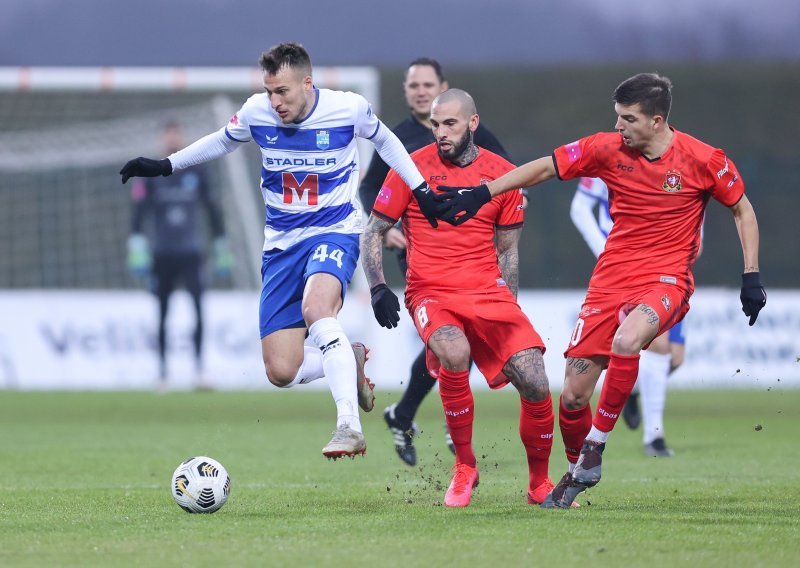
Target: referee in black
[(422, 83)]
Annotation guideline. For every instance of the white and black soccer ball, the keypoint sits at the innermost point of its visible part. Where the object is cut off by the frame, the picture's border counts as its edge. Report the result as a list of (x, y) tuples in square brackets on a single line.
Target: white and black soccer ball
[(201, 485)]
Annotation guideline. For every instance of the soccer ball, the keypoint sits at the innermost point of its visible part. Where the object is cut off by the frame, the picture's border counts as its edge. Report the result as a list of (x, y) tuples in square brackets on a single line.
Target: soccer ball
[(201, 485)]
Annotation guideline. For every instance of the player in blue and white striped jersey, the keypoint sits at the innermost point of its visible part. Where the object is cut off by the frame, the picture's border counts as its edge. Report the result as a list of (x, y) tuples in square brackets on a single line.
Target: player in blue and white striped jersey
[(665, 353), (309, 181)]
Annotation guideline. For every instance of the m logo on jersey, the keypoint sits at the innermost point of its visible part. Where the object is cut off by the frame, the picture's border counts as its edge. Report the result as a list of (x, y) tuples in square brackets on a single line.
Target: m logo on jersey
[(672, 183), (323, 139), (306, 191), (271, 139)]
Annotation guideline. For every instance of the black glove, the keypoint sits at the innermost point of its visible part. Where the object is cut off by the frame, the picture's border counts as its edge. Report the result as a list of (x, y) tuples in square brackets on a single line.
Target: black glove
[(385, 306), (429, 203), (145, 167), (753, 295), (466, 199)]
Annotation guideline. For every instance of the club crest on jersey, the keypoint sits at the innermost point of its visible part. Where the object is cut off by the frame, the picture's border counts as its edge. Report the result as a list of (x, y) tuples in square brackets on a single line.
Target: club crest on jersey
[(323, 139), (672, 183), (666, 301)]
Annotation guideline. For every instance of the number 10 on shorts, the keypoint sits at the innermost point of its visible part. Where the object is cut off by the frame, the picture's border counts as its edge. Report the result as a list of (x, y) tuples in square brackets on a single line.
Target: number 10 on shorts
[(577, 332), (321, 254)]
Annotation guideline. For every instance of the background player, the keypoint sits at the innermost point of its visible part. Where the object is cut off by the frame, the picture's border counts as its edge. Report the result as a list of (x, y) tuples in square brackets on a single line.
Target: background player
[(665, 353), (307, 138), (661, 181), (423, 81), (461, 292), (178, 243)]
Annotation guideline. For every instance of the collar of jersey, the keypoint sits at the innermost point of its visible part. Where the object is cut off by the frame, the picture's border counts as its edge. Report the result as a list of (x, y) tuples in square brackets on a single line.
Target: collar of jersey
[(316, 102), (671, 145)]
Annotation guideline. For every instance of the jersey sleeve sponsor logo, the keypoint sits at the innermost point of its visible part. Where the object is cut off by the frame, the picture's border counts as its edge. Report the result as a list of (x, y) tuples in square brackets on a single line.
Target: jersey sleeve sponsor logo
[(667, 303), (574, 151), (234, 120), (384, 195), (724, 170), (672, 182)]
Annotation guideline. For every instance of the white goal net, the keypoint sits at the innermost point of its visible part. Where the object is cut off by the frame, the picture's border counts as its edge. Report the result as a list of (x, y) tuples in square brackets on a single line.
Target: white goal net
[(65, 133)]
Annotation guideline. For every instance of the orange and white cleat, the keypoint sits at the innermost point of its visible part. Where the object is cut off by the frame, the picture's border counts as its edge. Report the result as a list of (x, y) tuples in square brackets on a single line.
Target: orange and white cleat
[(465, 478)]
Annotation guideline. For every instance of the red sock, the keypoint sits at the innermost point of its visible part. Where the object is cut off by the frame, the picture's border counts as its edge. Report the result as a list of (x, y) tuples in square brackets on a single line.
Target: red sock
[(459, 412), (575, 425), (536, 431), (617, 386)]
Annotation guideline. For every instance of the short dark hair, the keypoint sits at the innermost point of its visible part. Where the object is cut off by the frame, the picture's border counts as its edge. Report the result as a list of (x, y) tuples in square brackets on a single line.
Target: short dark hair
[(290, 54), (430, 62), (652, 91)]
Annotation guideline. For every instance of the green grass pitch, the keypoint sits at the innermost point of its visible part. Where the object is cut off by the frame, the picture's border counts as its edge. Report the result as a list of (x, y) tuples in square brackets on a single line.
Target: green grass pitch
[(85, 482)]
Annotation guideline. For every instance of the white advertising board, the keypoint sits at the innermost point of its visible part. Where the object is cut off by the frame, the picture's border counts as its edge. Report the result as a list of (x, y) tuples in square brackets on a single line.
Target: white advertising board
[(86, 340)]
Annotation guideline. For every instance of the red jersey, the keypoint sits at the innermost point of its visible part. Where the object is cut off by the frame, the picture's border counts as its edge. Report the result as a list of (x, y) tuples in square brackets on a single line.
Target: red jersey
[(657, 205), (451, 258)]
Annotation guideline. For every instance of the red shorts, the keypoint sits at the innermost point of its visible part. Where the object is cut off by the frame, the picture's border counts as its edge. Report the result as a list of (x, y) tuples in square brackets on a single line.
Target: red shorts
[(493, 322), (603, 312)]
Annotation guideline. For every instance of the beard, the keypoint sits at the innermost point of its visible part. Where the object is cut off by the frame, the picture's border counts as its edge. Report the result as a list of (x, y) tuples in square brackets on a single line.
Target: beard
[(458, 147)]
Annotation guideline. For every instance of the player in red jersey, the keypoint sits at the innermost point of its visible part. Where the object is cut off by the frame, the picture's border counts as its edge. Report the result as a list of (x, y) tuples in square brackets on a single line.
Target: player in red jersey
[(659, 181), (461, 292)]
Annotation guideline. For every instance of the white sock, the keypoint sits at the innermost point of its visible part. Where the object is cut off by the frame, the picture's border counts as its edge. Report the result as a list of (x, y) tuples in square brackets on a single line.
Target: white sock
[(339, 365), (653, 373), (596, 435), (310, 369)]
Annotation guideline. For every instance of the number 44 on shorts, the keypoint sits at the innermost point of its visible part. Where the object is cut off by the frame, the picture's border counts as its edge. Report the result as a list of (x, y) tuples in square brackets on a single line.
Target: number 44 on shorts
[(321, 254)]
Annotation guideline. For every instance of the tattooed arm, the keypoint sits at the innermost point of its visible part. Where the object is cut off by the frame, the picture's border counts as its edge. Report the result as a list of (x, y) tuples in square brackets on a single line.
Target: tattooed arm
[(508, 257), (372, 249)]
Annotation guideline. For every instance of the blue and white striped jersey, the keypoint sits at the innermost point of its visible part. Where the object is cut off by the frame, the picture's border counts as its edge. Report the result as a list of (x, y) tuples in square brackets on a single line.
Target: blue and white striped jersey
[(310, 168), (595, 187)]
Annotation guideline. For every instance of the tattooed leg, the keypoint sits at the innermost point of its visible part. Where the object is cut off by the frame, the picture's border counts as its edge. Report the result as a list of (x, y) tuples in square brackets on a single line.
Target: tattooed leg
[(451, 347), (639, 328), (526, 372), (580, 379)]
